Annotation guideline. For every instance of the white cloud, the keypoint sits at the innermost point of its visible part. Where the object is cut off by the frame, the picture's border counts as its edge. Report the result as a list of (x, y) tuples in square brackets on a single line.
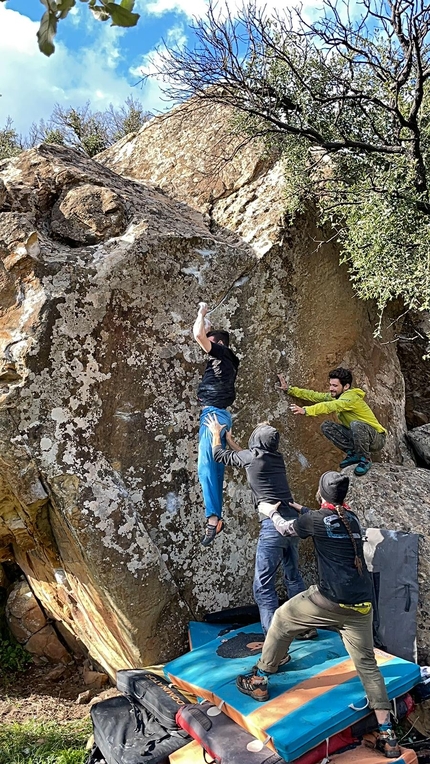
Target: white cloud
[(198, 8), (190, 8), (174, 37), (31, 84)]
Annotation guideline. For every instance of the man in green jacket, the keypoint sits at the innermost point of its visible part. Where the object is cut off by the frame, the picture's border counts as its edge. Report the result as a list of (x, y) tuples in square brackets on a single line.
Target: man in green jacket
[(358, 431)]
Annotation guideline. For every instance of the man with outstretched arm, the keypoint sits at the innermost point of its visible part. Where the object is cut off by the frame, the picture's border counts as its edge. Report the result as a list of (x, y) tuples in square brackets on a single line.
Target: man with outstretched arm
[(215, 394), (358, 431), (341, 600), (265, 471)]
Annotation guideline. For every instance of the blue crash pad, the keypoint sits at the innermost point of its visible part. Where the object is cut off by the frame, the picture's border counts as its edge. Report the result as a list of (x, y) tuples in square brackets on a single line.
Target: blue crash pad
[(200, 633), (310, 697)]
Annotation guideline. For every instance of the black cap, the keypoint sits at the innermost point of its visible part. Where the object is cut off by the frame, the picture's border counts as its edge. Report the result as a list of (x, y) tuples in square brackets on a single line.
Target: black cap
[(333, 487)]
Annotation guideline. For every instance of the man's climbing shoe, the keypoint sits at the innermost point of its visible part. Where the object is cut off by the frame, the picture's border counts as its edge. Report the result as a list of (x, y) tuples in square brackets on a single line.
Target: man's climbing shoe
[(309, 634), (363, 466), (257, 687), (350, 458), (387, 744), (211, 531)]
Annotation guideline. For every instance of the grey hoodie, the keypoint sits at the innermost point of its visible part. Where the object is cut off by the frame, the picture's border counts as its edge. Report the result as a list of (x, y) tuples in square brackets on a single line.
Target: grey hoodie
[(265, 469)]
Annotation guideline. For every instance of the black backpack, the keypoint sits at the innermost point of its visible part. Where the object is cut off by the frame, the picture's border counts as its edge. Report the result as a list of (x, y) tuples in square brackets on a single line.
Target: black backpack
[(153, 693), (137, 728)]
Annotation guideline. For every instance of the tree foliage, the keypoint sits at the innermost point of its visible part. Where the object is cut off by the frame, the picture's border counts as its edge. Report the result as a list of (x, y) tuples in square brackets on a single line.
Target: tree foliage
[(80, 128), (10, 141), (346, 100), (119, 15)]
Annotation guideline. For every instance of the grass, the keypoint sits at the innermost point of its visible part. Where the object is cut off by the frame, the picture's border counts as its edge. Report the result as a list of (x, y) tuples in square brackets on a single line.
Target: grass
[(44, 742)]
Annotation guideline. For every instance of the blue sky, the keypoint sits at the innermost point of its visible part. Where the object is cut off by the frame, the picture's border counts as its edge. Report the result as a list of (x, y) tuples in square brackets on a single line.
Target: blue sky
[(93, 61)]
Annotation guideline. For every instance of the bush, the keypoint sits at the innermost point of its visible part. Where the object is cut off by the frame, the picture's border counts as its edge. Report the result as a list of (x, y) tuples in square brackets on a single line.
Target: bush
[(13, 657)]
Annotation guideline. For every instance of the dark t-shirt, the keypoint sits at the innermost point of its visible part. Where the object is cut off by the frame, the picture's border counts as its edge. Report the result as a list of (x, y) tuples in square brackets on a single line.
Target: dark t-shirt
[(339, 579), (266, 476), (217, 385)]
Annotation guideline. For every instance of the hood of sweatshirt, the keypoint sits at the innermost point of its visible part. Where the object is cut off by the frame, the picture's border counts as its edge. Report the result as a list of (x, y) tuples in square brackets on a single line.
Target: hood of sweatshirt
[(264, 438), (355, 391)]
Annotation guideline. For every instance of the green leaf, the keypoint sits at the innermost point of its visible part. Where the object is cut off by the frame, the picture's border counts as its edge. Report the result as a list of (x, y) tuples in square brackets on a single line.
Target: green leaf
[(99, 12), (64, 7), (121, 17), (127, 4), (46, 33)]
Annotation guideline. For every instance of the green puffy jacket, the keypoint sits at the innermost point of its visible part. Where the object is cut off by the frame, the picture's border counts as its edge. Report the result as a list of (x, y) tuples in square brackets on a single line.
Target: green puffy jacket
[(349, 407)]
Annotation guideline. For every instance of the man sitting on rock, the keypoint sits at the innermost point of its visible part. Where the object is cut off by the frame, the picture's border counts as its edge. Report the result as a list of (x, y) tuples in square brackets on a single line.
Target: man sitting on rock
[(215, 393), (359, 433)]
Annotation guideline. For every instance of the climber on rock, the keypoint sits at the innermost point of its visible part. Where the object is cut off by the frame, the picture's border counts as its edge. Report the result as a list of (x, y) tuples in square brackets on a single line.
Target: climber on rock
[(342, 600), (358, 432), (215, 394), (267, 478)]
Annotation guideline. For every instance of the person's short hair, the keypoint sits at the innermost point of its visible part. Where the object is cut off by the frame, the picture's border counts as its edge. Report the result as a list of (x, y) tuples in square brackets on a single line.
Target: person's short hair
[(219, 335), (343, 375)]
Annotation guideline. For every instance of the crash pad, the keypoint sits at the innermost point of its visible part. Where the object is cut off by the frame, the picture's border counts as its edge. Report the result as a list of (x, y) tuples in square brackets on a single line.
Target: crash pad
[(192, 753), (200, 633), (363, 755), (313, 697)]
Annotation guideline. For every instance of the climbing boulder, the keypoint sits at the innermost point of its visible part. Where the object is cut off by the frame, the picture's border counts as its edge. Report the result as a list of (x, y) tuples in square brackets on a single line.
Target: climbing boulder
[(419, 438), (98, 409)]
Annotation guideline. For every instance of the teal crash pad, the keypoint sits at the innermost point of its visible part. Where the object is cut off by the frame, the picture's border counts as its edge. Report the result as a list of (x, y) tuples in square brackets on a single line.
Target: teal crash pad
[(314, 696)]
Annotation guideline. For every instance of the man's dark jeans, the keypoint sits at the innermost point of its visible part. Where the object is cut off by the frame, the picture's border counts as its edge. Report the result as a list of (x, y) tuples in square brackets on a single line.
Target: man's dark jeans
[(273, 549)]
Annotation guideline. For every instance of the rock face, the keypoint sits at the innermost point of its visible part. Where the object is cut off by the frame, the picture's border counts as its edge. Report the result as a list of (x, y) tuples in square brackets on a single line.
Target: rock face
[(87, 214), (413, 348), (29, 625), (397, 498), (100, 279), (419, 438)]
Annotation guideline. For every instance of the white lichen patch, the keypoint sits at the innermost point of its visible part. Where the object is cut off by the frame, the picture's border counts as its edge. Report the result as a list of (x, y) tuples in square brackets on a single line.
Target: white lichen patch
[(60, 415)]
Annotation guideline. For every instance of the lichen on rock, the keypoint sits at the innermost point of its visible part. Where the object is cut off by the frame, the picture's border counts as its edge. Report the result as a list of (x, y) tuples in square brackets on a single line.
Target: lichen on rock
[(99, 414)]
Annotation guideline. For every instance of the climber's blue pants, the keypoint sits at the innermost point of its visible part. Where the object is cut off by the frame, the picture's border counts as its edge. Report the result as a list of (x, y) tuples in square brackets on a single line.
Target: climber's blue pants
[(210, 472)]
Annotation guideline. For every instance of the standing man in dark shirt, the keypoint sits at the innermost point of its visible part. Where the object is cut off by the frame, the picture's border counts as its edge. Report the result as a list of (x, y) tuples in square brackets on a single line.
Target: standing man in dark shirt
[(267, 478), (342, 599), (216, 393)]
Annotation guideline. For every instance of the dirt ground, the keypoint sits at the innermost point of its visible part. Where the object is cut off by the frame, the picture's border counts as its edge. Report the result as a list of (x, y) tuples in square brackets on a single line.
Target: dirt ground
[(41, 693)]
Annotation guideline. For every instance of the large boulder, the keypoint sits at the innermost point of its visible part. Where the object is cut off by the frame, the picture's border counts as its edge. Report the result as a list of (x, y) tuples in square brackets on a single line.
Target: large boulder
[(98, 417), (419, 438), (299, 303), (397, 498)]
